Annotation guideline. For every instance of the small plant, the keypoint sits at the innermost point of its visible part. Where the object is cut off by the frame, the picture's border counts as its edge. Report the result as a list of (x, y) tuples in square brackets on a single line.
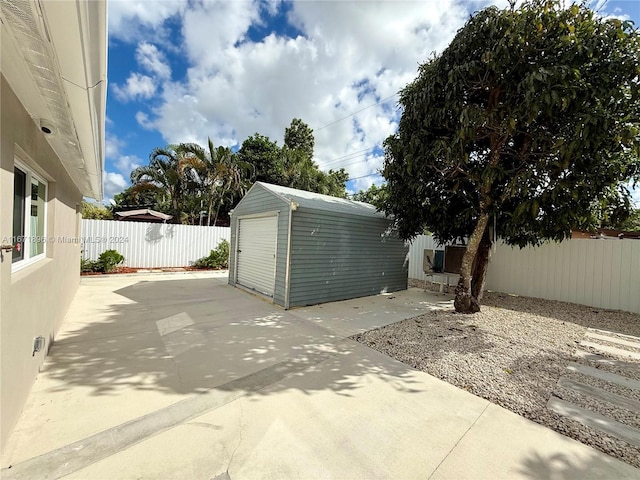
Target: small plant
[(87, 266), (109, 260), (218, 258)]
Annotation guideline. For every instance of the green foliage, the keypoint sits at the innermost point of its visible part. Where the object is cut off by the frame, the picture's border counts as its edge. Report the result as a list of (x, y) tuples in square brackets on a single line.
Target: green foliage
[(142, 195), (301, 172), (87, 266), (198, 185), (95, 211), (217, 176), (298, 136), (627, 222), (218, 258), (164, 173), (264, 155), (374, 195), (109, 260), (530, 116)]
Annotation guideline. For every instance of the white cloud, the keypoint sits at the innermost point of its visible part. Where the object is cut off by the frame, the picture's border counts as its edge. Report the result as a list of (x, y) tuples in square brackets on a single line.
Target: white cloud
[(127, 163), (349, 56), (113, 183), (124, 163), (352, 54), (112, 145), (138, 87), (131, 20), (143, 120), (153, 60)]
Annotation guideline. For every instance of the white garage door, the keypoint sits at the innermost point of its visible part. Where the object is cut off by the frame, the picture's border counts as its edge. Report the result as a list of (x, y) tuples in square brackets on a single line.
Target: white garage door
[(257, 253)]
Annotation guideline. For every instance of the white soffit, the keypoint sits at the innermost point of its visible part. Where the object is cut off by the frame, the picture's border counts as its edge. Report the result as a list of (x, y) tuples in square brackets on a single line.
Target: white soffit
[(55, 61)]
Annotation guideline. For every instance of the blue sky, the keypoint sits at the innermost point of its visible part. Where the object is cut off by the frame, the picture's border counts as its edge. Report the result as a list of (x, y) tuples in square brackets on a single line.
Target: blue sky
[(182, 71)]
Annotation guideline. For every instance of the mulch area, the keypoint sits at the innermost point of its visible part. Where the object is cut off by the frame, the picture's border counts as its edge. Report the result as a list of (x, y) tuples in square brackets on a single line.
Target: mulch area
[(129, 270)]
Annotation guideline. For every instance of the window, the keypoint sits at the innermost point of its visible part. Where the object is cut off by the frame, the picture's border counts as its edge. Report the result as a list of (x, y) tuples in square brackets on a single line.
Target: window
[(29, 213)]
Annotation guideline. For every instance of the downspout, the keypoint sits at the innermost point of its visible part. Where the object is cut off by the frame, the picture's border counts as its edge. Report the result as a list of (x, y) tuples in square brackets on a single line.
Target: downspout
[(287, 285)]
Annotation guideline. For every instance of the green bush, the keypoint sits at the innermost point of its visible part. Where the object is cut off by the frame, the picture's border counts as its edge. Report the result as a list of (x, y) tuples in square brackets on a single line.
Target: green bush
[(218, 258), (89, 266), (109, 260)]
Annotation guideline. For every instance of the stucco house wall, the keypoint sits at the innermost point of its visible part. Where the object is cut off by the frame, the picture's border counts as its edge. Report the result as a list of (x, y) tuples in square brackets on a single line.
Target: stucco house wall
[(52, 113), (34, 299)]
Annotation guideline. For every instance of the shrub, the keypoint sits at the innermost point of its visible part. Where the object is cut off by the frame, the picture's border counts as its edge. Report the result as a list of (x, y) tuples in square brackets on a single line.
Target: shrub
[(89, 266), (218, 258), (110, 259)]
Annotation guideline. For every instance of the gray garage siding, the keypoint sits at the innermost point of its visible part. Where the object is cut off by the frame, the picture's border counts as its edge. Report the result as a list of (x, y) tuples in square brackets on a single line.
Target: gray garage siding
[(335, 256), (339, 248), (263, 201)]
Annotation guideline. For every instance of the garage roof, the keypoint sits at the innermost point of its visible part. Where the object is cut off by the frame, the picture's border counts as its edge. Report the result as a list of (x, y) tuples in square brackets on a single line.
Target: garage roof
[(317, 201)]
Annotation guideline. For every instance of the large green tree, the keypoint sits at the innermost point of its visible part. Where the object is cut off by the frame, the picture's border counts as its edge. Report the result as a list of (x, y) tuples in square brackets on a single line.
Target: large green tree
[(264, 155), (526, 121), (299, 136)]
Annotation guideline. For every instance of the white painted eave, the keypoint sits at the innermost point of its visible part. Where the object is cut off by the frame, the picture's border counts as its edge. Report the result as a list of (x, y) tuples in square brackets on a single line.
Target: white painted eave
[(67, 40)]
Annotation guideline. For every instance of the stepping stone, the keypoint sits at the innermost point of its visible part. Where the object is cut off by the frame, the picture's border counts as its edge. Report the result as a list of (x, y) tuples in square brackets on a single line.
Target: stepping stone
[(595, 358), (595, 420), (598, 393), (606, 376), (606, 332), (619, 341), (612, 350)]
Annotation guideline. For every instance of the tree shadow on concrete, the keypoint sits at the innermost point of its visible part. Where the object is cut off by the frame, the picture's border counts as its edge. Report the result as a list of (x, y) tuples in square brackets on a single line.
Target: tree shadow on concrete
[(188, 336), (562, 467)]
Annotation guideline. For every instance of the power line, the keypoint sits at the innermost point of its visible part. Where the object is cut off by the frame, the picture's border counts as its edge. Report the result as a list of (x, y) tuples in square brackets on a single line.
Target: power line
[(355, 113), (602, 6), (348, 156), (351, 156), (365, 176)]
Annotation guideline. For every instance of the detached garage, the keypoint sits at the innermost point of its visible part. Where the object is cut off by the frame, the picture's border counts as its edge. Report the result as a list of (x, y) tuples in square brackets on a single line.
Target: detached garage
[(301, 248)]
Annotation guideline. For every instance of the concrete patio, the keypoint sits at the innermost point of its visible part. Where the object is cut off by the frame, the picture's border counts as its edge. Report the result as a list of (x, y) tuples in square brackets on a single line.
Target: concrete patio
[(182, 376)]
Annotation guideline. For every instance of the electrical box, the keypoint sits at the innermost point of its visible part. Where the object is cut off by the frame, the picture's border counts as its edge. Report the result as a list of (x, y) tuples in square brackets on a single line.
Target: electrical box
[(453, 258)]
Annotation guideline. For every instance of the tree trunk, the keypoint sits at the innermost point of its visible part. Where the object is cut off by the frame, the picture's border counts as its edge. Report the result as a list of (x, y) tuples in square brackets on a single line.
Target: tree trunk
[(209, 213), (480, 266), (465, 302), (216, 217)]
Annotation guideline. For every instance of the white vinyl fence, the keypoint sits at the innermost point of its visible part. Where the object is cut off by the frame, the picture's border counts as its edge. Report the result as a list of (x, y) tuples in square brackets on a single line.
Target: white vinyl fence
[(598, 273), (150, 245)]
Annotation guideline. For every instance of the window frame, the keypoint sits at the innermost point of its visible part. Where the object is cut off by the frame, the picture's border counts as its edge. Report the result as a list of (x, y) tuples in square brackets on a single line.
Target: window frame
[(31, 175)]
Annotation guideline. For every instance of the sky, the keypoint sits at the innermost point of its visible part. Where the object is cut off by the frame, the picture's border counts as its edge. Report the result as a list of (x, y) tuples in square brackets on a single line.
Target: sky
[(183, 71)]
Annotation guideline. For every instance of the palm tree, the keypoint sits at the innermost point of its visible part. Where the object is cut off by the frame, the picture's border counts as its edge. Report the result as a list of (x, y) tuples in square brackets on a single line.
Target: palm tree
[(220, 174), (169, 170)]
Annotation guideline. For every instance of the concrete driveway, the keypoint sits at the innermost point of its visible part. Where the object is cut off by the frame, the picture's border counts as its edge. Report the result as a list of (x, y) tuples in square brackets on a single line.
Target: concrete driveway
[(182, 376)]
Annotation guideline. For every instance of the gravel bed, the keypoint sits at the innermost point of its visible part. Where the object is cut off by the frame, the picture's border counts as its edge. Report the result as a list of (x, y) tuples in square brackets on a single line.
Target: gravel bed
[(513, 353)]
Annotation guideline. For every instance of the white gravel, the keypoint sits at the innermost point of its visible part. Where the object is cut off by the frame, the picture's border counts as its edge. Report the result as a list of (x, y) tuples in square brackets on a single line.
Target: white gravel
[(513, 353)]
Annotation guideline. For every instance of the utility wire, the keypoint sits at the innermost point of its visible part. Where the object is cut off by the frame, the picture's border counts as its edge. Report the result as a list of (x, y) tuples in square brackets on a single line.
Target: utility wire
[(351, 156), (355, 113), (602, 6), (365, 176)]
